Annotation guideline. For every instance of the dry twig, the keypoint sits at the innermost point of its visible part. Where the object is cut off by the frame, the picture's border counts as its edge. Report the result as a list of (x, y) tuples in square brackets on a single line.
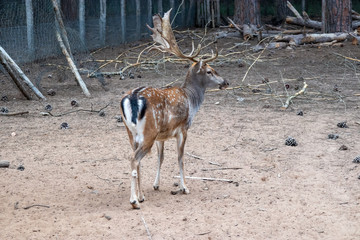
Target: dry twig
[(287, 103), (207, 179)]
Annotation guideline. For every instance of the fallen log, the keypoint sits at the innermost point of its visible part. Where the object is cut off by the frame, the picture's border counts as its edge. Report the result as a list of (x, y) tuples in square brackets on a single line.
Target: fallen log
[(311, 38), (304, 22), (312, 23), (18, 75), (272, 45)]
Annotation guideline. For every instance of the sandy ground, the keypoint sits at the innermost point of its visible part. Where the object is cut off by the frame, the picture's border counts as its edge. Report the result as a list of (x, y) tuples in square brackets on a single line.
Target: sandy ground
[(76, 182)]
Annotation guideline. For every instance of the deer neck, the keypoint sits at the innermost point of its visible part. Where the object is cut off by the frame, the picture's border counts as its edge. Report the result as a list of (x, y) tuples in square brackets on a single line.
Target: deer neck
[(195, 92)]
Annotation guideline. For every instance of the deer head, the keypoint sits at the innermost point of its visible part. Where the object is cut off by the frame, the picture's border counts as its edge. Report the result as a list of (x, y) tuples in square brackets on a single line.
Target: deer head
[(164, 37)]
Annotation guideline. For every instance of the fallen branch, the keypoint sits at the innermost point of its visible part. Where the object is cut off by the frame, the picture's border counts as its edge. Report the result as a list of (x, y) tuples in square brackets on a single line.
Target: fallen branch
[(14, 70), (78, 110), (72, 65), (13, 114), (36, 205), (146, 227), (291, 7), (215, 163), (349, 58), (223, 168), (194, 156), (207, 179), (287, 103)]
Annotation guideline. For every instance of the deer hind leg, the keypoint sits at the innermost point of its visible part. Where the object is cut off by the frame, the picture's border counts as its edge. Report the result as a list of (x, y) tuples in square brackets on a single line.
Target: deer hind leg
[(136, 189), (160, 148), (181, 139)]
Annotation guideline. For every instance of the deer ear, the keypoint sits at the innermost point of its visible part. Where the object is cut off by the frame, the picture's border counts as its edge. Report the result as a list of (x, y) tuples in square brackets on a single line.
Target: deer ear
[(200, 65)]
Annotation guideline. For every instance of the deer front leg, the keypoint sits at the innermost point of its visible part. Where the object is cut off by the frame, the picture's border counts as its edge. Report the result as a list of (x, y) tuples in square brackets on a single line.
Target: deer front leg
[(160, 149), (181, 139)]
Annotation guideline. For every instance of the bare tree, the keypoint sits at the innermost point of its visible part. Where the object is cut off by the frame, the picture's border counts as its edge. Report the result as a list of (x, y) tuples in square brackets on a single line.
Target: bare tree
[(336, 16), (282, 11), (247, 12)]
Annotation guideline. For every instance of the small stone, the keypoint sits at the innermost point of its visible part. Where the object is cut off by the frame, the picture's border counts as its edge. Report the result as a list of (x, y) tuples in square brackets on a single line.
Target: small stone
[(74, 103), (4, 110), (265, 80), (48, 108), (4, 164), (256, 90), (122, 77), (300, 113), (64, 125), (290, 142), (342, 125), (4, 98), (107, 217), (240, 99), (102, 113), (343, 148), (333, 136), (241, 63), (131, 75), (119, 118), (13, 134), (51, 92), (217, 103), (356, 160), (20, 168), (139, 76)]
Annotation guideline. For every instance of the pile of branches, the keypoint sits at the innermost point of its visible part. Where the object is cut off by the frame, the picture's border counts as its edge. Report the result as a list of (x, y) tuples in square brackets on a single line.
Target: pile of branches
[(309, 33)]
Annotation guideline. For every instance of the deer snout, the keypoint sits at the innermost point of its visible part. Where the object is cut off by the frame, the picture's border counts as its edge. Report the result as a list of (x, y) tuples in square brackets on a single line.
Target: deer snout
[(224, 85)]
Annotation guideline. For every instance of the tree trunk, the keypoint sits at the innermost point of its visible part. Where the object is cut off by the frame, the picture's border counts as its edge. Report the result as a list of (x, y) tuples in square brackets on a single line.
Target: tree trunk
[(247, 12), (282, 11), (336, 16)]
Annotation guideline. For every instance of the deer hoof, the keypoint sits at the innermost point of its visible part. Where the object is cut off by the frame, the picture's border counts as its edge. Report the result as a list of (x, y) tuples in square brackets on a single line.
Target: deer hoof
[(135, 204), (185, 190), (142, 199), (156, 187)]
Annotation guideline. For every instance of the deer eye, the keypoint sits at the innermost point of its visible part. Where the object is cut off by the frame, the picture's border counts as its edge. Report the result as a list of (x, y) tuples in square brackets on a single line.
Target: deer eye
[(209, 72)]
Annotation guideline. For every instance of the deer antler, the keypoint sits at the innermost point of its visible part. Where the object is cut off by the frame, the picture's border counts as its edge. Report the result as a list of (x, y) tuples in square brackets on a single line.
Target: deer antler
[(163, 35), (213, 57)]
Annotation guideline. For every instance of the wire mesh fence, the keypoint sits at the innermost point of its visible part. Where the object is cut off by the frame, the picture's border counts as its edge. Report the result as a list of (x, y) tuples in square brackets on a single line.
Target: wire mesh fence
[(27, 27)]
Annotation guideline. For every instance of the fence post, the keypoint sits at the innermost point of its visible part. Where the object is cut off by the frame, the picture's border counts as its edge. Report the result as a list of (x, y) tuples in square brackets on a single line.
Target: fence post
[(30, 27), (82, 20), (160, 7), (102, 22), (150, 13), (123, 20), (138, 19)]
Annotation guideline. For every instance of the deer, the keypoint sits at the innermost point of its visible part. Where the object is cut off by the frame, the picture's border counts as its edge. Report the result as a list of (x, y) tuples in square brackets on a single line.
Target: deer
[(154, 115)]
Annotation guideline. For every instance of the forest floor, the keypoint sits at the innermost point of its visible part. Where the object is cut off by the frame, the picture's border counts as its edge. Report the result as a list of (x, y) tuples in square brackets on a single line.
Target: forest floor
[(75, 182)]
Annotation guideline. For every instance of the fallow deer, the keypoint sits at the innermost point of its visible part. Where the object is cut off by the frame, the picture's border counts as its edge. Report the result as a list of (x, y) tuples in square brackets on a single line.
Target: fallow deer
[(157, 114)]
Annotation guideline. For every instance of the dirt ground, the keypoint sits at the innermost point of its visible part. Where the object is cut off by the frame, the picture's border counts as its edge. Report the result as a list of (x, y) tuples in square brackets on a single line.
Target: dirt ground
[(76, 182)]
